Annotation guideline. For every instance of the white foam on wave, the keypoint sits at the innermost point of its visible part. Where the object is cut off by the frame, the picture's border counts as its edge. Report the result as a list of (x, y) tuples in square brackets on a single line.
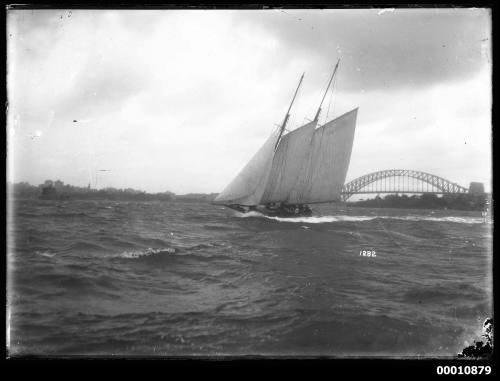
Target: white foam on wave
[(323, 219), (45, 254), (145, 253), (345, 218), (461, 220), (309, 220)]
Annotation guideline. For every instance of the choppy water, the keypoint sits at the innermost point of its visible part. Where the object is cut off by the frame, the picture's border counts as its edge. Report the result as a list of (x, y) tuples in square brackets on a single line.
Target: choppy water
[(139, 278)]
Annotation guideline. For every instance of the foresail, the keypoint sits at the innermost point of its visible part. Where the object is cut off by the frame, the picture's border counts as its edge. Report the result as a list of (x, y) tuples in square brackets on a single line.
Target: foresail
[(326, 167), (248, 186), (288, 160)]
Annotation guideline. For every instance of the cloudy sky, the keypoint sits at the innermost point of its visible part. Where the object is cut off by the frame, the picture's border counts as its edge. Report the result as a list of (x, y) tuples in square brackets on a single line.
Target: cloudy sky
[(180, 100)]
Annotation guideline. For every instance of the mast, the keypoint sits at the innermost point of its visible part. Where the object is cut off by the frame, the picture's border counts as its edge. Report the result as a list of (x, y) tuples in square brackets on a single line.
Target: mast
[(326, 91), (282, 128)]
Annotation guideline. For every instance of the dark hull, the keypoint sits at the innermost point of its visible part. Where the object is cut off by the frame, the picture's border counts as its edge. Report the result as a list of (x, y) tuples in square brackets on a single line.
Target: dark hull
[(285, 214), (282, 211)]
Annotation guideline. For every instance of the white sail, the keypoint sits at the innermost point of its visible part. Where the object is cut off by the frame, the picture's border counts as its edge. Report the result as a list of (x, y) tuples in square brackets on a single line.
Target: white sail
[(307, 166), (325, 169), (248, 186), (289, 158)]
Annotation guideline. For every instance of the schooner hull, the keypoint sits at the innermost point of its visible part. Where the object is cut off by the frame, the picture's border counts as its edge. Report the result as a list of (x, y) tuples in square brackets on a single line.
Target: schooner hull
[(285, 211)]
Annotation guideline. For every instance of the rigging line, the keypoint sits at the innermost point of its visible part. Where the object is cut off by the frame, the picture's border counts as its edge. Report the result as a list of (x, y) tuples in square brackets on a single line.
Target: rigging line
[(326, 91), (330, 102), (288, 113), (297, 100)]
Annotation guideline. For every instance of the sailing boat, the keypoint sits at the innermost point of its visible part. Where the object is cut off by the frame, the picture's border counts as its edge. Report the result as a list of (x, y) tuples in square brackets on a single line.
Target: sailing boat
[(304, 166)]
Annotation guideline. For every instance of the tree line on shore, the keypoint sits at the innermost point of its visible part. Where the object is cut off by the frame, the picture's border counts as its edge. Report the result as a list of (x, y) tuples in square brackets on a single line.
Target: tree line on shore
[(464, 201), (57, 190)]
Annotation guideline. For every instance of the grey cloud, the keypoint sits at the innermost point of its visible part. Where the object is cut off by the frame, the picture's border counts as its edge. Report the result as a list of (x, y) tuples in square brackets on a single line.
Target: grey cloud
[(394, 49), (97, 90), (102, 90)]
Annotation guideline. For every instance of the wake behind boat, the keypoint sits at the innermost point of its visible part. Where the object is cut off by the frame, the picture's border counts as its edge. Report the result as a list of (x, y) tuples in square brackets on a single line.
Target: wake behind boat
[(305, 166)]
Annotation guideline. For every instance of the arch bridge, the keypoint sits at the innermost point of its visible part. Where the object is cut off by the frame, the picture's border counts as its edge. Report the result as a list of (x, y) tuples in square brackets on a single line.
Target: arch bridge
[(400, 181)]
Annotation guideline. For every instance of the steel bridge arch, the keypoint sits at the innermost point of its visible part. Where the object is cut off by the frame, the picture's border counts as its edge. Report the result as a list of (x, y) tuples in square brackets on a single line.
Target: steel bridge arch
[(361, 182)]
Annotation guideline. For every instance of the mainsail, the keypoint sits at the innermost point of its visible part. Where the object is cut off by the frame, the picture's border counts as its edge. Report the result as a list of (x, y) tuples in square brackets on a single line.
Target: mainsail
[(288, 161), (325, 169)]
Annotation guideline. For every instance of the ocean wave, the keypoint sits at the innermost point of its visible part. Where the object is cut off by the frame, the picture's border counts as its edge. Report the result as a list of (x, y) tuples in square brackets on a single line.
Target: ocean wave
[(46, 254), (65, 215), (196, 253), (86, 246), (203, 246), (323, 219), (145, 253), (460, 220), (217, 227), (442, 293), (309, 220), (346, 218), (82, 282)]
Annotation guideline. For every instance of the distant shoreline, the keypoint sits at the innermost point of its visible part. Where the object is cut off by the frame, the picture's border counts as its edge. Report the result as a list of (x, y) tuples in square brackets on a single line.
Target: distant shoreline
[(177, 199), (58, 191), (470, 202), (190, 200)]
